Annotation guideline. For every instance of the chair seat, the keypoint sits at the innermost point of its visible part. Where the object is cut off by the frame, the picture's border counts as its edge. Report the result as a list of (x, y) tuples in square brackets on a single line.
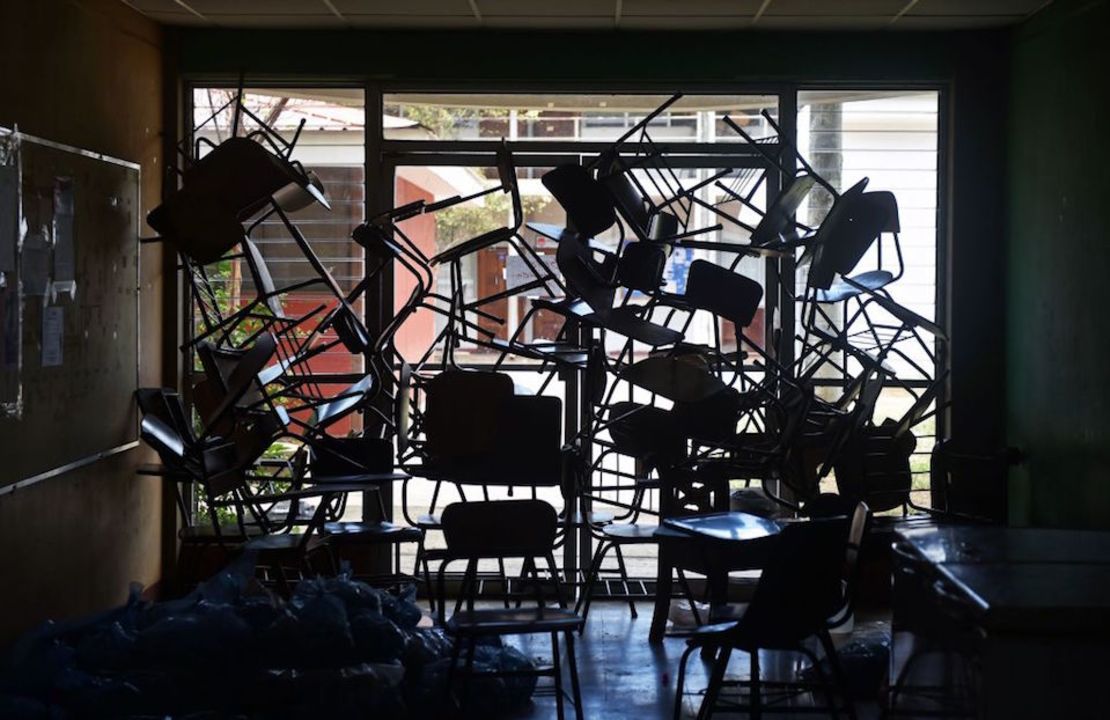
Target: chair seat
[(428, 521), (595, 518), (626, 533), (840, 291), (473, 245), (624, 321), (205, 534), (557, 352), (284, 542), (507, 621), (371, 532)]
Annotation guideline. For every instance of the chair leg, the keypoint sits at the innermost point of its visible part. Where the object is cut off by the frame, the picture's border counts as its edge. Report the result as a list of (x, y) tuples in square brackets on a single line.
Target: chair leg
[(504, 581), (422, 561), (839, 680), (595, 571), (689, 595), (591, 578), (572, 663), (557, 671), (525, 567), (624, 580), (755, 699), (681, 679), (716, 680)]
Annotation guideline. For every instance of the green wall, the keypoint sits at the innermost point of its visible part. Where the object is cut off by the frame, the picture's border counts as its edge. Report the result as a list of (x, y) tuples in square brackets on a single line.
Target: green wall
[(973, 66), (1058, 344)]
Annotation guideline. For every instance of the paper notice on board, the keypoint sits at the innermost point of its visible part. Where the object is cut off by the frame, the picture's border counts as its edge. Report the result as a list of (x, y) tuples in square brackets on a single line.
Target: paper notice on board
[(9, 219), (35, 263), (65, 257), (53, 322), (517, 272)]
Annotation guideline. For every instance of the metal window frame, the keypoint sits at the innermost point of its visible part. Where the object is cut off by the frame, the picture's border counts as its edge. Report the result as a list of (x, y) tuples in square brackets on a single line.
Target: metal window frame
[(382, 157)]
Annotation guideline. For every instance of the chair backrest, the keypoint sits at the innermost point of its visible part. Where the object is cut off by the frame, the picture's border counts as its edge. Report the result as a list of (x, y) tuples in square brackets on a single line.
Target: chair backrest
[(838, 239), (686, 491), (216, 466), (587, 203), (646, 433), (724, 293), (712, 418), (640, 267), (499, 528), (885, 203), (874, 465), (462, 415), (529, 444), (861, 518), (263, 280), (232, 380), (243, 174), (164, 404), (629, 202), (800, 587), (863, 219), (775, 221), (584, 276)]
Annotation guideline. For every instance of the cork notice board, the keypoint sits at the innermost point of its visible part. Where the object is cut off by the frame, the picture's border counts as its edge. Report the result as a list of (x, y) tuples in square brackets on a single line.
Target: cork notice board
[(69, 379)]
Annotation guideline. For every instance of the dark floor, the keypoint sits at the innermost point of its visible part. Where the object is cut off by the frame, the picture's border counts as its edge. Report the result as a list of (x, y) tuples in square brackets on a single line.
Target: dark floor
[(623, 676)]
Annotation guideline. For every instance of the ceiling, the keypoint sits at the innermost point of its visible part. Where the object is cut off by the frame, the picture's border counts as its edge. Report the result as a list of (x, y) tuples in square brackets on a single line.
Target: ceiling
[(594, 14)]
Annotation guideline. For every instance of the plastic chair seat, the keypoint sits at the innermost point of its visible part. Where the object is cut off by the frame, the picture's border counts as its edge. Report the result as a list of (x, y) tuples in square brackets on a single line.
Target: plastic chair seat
[(205, 534), (284, 542), (595, 518), (372, 532), (624, 322), (557, 352), (353, 398), (629, 533), (507, 621), (428, 521), (840, 290), (473, 245)]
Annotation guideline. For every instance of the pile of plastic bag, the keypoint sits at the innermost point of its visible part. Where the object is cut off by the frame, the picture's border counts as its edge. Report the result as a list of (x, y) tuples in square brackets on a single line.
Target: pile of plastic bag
[(337, 648)]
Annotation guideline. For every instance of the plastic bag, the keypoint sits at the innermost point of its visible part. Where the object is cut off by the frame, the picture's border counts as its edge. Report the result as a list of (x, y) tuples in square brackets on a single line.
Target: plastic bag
[(209, 636), (377, 638), (402, 609), (426, 645), (865, 662)]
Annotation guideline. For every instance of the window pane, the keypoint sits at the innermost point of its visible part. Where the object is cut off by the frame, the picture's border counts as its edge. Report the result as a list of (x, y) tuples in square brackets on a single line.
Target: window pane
[(330, 143), (554, 117), (889, 137)]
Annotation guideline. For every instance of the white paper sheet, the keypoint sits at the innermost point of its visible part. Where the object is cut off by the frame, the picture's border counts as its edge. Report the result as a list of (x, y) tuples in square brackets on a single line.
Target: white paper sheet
[(53, 328), (35, 264)]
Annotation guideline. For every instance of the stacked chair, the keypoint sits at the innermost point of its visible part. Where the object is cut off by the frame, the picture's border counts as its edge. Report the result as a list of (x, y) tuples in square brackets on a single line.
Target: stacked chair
[(661, 408)]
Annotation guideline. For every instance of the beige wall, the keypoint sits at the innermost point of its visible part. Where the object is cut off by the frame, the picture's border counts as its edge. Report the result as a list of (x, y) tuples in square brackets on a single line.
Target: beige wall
[(86, 73)]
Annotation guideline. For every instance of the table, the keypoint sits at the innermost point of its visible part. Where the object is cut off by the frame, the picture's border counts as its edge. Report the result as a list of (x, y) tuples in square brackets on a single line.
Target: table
[(712, 544), (1041, 602)]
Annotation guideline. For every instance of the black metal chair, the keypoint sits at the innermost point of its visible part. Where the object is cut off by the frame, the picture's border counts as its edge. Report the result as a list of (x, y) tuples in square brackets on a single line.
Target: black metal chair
[(501, 530), (799, 590), (945, 627), (268, 521), (475, 432), (542, 276)]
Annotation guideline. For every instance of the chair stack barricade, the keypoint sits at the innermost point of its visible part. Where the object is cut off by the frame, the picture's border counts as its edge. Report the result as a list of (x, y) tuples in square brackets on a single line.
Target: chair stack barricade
[(659, 303)]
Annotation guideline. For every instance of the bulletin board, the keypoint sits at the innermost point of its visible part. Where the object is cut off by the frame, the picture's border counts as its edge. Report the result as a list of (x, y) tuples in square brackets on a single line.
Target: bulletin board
[(69, 307)]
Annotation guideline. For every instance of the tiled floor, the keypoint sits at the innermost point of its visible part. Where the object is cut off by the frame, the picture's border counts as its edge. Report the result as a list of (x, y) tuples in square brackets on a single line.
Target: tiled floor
[(623, 676)]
